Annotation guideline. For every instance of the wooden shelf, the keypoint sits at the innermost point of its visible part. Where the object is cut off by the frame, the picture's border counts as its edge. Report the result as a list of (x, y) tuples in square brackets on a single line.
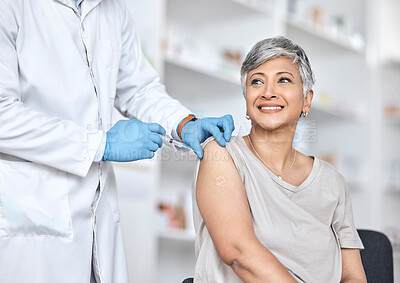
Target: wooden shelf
[(199, 12), (324, 39)]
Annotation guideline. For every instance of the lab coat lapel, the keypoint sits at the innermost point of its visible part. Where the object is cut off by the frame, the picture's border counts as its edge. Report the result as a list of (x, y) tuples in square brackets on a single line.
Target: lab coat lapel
[(87, 6), (68, 3)]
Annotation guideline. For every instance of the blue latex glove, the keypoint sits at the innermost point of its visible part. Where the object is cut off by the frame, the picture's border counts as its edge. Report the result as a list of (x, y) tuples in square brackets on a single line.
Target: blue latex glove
[(195, 132), (130, 140)]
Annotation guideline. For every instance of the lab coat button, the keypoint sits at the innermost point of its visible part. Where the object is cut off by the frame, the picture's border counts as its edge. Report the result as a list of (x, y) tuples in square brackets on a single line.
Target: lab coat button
[(86, 156)]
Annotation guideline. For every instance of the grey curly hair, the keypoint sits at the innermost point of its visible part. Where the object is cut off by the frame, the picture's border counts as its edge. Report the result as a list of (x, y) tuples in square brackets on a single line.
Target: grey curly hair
[(275, 47)]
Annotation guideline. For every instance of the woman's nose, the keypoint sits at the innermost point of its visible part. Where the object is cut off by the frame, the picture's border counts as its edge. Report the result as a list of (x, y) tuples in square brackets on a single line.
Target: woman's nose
[(270, 92)]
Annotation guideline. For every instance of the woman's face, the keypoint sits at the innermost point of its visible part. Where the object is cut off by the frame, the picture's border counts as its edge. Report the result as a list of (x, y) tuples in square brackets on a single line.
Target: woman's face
[(274, 94)]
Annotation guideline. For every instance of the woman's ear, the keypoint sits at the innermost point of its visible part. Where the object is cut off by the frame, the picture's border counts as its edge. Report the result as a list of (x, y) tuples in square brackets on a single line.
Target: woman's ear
[(307, 101)]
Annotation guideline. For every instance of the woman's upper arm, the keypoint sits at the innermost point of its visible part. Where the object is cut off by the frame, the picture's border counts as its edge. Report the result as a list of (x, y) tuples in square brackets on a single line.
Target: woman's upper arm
[(222, 201), (352, 268)]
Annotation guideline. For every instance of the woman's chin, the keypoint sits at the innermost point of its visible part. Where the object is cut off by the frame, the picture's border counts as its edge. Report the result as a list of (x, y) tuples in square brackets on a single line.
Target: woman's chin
[(272, 125)]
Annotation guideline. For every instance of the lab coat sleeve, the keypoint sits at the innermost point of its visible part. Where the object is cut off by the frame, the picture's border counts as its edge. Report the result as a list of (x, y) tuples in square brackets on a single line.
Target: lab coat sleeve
[(32, 135), (139, 91)]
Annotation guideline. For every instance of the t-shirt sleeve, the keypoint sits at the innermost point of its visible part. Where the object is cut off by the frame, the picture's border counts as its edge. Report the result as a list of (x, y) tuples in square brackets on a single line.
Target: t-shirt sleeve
[(343, 221)]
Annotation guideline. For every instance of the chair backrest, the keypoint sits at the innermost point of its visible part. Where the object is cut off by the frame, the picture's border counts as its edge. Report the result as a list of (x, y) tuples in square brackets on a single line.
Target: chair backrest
[(377, 256)]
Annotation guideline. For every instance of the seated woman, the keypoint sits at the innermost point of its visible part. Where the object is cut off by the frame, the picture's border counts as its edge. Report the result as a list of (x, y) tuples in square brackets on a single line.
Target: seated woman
[(263, 211)]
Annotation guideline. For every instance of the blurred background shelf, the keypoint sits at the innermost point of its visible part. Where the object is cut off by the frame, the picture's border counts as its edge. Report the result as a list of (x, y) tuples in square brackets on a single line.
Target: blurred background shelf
[(392, 62), (393, 120), (334, 114), (393, 189), (182, 235), (198, 12), (357, 186), (225, 75), (323, 38)]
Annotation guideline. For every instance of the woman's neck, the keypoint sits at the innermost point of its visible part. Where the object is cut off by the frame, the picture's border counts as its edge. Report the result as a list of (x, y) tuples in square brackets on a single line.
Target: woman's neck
[(274, 147)]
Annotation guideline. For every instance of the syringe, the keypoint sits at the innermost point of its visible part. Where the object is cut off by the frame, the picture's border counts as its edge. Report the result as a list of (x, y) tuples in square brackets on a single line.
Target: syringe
[(175, 143)]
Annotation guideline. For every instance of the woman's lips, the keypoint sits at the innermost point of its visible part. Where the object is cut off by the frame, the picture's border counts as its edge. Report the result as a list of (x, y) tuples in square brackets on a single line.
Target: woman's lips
[(270, 109)]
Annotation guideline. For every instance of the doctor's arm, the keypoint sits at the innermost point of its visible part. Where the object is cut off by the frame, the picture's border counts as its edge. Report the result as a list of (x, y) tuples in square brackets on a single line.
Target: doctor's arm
[(222, 202), (141, 95), (32, 135)]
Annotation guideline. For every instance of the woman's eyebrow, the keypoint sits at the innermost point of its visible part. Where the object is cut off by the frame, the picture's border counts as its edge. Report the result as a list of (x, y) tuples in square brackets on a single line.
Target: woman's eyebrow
[(259, 73), (280, 73)]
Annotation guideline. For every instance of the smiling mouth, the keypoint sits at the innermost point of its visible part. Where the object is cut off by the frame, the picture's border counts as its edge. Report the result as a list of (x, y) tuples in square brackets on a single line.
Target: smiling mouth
[(271, 108)]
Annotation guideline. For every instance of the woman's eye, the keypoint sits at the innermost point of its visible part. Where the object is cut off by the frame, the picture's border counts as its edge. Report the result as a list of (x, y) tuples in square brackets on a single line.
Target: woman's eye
[(256, 82), (284, 80)]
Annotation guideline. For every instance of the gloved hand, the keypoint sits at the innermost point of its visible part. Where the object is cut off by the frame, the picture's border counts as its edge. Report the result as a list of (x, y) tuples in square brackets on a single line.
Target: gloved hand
[(130, 140), (195, 132)]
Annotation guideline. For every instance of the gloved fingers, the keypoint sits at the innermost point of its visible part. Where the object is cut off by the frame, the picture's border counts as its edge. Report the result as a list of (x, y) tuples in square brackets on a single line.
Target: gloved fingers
[(148, 154), (152, 146), (156, 139), (156, 128), (232, 122), (196, 146), (216, 132), (226, 124)]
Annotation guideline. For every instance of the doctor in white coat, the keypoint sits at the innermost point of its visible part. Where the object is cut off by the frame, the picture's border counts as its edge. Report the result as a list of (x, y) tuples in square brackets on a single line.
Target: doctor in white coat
[(63, 67)]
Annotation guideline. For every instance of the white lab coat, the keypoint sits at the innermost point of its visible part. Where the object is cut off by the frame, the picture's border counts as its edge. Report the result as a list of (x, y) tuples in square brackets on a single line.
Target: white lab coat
[(56, 101)]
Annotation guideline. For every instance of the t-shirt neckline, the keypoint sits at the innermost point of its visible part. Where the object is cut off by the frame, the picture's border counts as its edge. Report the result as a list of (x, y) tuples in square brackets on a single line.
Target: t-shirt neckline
[(281, 182)]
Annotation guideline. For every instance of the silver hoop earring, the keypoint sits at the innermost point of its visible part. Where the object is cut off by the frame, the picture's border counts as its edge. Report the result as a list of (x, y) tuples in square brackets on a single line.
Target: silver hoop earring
[(247, 117), (305, 114)]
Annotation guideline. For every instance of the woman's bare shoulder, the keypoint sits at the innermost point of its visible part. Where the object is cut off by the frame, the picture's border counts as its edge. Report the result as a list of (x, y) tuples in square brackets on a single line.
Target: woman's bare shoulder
[(217, 164)]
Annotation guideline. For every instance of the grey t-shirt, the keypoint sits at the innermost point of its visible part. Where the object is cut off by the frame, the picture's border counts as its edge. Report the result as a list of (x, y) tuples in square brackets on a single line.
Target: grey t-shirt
[(305, 227)]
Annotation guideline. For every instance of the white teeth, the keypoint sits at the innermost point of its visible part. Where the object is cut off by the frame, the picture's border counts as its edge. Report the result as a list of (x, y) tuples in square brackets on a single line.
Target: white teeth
[(272, 108)]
